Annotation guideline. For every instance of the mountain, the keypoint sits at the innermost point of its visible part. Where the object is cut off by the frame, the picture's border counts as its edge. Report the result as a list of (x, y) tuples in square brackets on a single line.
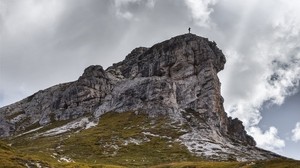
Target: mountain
[(160, 104)]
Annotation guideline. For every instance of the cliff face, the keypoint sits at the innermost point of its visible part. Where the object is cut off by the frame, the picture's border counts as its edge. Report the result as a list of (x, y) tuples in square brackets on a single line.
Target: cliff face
[(175, 78), (171, 77)]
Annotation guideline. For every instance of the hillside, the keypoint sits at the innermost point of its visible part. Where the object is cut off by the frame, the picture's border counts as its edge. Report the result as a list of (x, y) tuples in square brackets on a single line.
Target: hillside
[(82, 149), (115, 141)]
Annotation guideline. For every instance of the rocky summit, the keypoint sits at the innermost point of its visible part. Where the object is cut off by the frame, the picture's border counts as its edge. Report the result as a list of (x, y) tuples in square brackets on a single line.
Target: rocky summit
[(174, 81)]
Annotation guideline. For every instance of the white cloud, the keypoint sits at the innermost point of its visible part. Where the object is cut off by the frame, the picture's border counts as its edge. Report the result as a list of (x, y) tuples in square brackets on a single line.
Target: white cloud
[(120, 12), (264, 67), (201, 10), (29, 14), (296, 133), (123, 12), (263, 62), (268, 140)]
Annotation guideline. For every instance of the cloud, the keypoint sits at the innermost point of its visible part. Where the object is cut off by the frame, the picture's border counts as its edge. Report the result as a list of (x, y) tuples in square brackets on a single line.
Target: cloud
[(262, 43), (119, 11), (124, 7), (25, 30), (200, 11), (262, 67), (296, 133), (268, 140)]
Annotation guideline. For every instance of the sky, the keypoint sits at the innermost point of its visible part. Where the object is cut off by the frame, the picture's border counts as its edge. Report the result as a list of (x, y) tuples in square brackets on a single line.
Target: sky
[(47, 42)]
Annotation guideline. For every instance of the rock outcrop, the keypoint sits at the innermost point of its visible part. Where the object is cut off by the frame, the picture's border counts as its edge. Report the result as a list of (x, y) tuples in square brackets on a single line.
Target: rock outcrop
[(175, 78)]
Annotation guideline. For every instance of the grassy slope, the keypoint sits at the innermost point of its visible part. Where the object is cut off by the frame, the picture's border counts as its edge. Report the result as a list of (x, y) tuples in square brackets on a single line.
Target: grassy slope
[(11, 158), (114, 141), (106, 142), (117, 139)]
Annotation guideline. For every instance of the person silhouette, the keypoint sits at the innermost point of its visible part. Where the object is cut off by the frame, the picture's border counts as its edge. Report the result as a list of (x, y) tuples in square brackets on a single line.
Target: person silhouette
[(189, 30)]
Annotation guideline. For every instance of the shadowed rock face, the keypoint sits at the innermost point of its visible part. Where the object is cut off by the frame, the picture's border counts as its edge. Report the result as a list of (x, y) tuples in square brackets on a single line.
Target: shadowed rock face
[(176, 78)]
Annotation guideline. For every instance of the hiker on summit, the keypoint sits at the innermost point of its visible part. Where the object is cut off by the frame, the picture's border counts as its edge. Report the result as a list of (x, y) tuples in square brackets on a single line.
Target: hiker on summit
[(189, 30)]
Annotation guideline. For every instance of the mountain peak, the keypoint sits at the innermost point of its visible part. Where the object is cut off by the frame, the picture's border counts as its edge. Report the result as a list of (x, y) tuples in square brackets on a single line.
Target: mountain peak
[(177, 57), (175, 79)]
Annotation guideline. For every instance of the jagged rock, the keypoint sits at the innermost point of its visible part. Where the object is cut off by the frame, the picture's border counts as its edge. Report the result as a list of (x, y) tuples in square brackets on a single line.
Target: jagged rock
[(237, 131), (176, 78), (60, 102)]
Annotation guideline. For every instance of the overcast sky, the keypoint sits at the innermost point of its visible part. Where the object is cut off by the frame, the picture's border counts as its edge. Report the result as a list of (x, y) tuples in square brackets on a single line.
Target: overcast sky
[(46, 42)]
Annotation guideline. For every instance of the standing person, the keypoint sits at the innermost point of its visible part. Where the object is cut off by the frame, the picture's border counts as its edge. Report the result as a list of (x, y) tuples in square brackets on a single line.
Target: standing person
[(189, 30)]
